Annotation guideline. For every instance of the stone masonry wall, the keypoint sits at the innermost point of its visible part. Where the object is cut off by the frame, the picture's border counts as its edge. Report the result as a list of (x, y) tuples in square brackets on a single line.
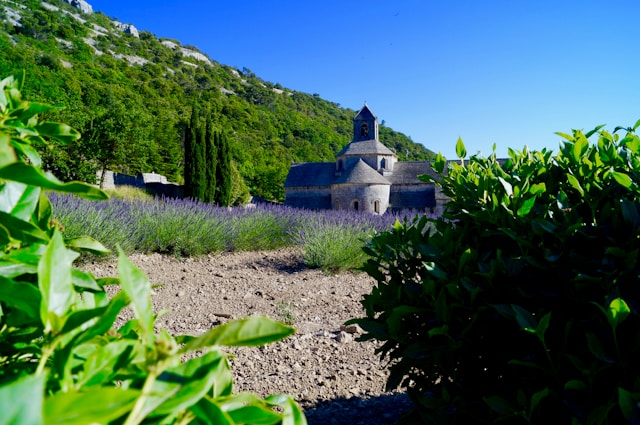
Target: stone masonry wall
[(152, 182)]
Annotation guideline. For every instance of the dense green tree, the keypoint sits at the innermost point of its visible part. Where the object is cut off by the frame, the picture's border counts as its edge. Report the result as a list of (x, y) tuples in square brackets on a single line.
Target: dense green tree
[(223, 172), (191, 155), (211, 163)]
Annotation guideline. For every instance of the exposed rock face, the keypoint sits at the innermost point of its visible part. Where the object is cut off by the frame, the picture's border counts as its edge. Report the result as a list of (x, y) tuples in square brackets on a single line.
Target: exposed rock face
[(169, 44), (81, 5), (127, 28), (13, 17), (187, 52), (196, 55)]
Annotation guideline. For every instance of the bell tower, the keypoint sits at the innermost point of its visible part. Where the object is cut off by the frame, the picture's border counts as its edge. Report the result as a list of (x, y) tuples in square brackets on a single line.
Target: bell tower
[(365, 125)]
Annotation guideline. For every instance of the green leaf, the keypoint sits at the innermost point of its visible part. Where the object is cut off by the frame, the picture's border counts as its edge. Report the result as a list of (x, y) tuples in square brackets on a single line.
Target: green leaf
[(507, 186), (21, 401), (565, 136), (105, 320), (27, 174), (136, 285), (500, 405), (22, 230), (524, 318), (104, 363), (538, 188), (594, 131), (575, 385), (546, 226), (439, 163), (573, 181), (55, 283), (597, 349), (19, 200), (631, 143), (536, 398), (210, 413), (543, 325), (88, 244), (31, 109), (7, 152), (21, 261), (440, 330), (181, 387), (563, 200), (433, 269), (250, 331), (258, 415), (58, 131), (623, 179), (293, 415), (95, 405), (579, 147), (84, 281), (526, 206), (43, 213), (618, 311), (461, 151), (23, 299), (627, 403)]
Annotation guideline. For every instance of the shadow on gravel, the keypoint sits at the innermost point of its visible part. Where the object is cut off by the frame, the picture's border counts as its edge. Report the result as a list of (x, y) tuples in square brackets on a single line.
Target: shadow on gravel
[(290, 265), (385, 409)]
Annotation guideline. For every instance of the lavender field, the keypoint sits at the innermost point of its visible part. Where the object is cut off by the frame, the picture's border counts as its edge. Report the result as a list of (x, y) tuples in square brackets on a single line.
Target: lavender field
[(331, 240)]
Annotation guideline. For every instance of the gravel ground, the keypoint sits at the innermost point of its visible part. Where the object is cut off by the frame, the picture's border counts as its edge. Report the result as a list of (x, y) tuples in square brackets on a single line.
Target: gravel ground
[(336, 379)]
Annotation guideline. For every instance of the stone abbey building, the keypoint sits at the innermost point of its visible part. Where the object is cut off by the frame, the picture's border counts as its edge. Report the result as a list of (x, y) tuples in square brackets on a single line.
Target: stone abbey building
[(366, 176)]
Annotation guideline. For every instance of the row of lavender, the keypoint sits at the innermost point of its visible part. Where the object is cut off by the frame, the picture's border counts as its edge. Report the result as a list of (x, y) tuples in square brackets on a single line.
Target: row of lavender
[(331, 240)]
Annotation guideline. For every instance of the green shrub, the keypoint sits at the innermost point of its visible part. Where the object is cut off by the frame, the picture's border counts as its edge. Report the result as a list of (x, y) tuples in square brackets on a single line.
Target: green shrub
[(520, 304), (61, 359)]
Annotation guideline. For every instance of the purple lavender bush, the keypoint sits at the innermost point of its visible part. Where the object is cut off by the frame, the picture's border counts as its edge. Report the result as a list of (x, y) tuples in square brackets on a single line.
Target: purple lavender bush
[(331, 240)]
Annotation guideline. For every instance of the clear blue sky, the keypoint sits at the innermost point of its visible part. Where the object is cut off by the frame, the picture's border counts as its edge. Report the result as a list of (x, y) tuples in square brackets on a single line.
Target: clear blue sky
[(510, 72)]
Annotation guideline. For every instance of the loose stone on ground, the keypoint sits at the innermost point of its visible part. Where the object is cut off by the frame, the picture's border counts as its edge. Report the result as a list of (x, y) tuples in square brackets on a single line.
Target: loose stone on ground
[(335, 378)]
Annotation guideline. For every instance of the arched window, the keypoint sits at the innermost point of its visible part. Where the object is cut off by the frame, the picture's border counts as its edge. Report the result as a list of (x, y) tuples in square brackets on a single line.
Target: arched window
[(337, 204), (376, 206), (356, 205), (383, 163), (364, 129), (340, 165)]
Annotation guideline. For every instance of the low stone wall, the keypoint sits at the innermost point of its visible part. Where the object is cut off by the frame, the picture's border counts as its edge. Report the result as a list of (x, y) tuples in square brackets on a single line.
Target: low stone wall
[(152, 182)]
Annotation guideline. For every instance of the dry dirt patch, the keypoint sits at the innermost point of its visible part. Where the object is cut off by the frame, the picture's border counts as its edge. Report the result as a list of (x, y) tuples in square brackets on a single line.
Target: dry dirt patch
[(336, 379)]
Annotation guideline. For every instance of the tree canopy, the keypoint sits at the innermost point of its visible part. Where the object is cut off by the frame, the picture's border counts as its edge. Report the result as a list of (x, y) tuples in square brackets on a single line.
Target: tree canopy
[(131, 98)]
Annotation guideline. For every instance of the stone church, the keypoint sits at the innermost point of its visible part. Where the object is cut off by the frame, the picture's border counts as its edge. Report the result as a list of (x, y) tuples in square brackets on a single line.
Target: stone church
[(366, 176)]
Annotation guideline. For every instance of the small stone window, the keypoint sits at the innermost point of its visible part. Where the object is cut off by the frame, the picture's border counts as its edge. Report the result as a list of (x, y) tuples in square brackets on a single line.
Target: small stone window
[(337, 204), (383, 163), (376, 206), (356, 205)]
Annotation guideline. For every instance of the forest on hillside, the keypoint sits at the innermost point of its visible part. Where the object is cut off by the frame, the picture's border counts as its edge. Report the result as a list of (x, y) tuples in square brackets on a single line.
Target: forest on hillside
[(131, 98)]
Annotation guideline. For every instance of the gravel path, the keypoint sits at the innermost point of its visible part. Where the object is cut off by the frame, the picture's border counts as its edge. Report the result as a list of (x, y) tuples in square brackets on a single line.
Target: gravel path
[(336, 379)]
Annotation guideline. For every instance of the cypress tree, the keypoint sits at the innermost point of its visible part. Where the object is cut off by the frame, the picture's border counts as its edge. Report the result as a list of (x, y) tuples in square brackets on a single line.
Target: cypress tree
[(195, 157), (211, 161), (223, 174), (200, 163), (190, 138)]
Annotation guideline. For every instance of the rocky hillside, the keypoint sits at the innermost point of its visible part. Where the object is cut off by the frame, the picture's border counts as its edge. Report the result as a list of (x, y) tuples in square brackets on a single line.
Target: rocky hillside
[(130, 94)]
